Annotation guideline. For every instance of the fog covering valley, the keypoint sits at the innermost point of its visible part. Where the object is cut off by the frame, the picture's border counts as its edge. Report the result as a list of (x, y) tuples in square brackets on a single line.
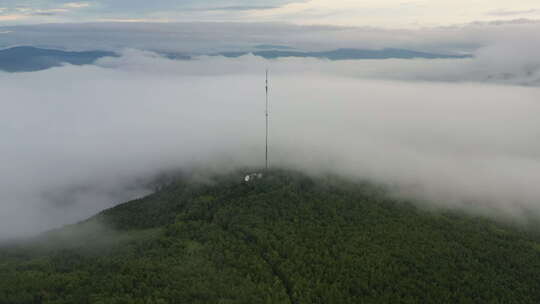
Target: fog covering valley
[(458, 133)]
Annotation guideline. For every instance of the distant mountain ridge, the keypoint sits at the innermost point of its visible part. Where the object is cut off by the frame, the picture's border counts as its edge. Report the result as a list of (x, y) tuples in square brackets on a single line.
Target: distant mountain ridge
[(28, 58), (273, 47), (348, 54)]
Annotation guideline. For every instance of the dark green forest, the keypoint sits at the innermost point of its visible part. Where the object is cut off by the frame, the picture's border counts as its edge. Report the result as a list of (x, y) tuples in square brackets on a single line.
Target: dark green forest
[(286, 238)]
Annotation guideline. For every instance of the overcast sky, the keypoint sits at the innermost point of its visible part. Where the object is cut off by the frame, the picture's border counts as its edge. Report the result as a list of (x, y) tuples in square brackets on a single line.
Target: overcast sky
[(379, 13)]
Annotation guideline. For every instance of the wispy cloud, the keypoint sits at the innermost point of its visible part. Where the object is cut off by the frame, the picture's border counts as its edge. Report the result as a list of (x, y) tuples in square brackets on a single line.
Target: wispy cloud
[(77, 4), (12, 17), (135, 20), (48, 12), (21, 12), (504, 13), (380, 13), (390, 13), (236, 8)]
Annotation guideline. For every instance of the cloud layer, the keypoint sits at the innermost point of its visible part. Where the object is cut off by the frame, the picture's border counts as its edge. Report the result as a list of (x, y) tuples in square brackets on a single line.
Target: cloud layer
[(84, 138), (47, 11), (380, 13), (197, 38)]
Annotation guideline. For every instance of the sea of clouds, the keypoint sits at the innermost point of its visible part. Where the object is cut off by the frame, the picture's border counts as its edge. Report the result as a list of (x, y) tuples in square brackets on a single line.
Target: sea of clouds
[(460, 133)]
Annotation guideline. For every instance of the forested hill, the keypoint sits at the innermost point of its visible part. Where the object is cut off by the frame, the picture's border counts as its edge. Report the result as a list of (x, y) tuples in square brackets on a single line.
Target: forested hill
[(286, 238)]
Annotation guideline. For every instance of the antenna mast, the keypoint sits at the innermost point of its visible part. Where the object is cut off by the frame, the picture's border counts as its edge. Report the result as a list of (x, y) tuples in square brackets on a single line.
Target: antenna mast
[(266, 113)]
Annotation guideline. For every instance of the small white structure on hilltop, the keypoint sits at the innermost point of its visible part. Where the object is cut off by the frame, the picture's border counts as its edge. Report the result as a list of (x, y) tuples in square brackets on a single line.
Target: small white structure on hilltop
[(252, 177)]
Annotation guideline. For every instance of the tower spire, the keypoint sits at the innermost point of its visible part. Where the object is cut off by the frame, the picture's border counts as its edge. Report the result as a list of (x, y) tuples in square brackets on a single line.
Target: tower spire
[(266, 113)]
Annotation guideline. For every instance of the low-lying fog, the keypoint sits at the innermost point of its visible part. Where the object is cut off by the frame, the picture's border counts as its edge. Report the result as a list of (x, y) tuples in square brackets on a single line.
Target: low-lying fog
[(76, 140)]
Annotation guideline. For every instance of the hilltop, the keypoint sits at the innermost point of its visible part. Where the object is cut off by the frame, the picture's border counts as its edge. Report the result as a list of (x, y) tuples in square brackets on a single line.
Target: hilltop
[(286, 238)]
